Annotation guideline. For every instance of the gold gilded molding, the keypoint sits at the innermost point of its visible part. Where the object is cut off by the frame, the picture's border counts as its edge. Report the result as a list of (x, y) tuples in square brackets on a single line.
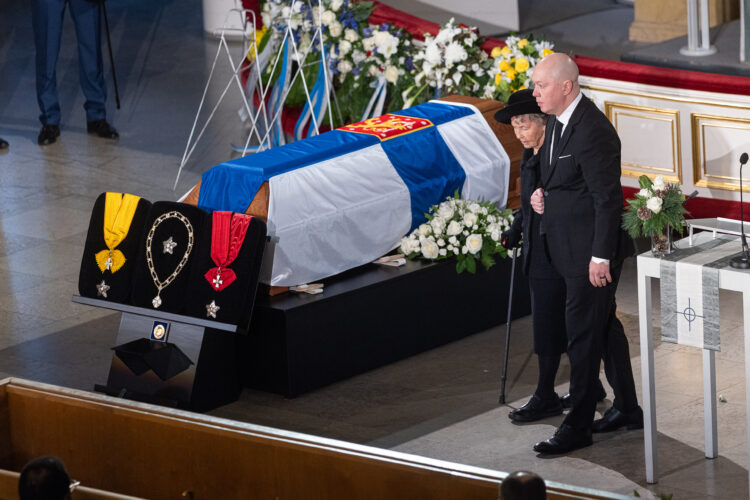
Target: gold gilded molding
[(652, 95), (615, 109), (701, 178)]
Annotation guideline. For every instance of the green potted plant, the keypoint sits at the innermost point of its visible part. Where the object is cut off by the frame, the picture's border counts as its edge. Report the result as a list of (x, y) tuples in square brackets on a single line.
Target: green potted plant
[(654, 210)]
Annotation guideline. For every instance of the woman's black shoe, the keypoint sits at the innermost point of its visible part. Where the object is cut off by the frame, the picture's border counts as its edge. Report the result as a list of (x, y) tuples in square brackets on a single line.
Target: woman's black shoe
[(537, 409), (3, 143)]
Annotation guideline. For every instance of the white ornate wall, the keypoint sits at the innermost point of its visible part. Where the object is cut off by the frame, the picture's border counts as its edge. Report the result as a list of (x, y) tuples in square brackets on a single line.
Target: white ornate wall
[(688, 136)]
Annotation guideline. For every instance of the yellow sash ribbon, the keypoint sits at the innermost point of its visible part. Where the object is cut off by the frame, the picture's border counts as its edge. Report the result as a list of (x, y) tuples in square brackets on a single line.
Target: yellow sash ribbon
[(118, 215)]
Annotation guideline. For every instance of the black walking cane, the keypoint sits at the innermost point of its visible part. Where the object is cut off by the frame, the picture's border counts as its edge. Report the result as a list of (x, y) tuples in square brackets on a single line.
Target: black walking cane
[(109, 46), (507, 328)]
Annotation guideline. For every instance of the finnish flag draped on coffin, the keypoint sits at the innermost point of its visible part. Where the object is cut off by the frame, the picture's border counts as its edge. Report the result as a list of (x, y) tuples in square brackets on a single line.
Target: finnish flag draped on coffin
[(344, 198)]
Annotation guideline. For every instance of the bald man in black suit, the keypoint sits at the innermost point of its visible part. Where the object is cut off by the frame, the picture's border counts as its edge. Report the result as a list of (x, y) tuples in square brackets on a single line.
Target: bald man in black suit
[(580, 199)]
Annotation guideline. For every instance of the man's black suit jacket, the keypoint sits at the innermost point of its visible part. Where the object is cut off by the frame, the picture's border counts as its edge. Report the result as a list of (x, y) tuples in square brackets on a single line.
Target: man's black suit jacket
[(583, 195)]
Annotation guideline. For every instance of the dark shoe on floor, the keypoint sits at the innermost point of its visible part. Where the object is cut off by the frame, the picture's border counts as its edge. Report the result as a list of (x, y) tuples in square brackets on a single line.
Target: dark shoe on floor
[(3, 143), (613, 419), (537, 409), (565, 439), (600, 395), (102, 129), (48, 135)]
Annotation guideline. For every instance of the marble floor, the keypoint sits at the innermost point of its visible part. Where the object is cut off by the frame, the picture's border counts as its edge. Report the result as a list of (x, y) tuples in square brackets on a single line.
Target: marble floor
[(442, 403)]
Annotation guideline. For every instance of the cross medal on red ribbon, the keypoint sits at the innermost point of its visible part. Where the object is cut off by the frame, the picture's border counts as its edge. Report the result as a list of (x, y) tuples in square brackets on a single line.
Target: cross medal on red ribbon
[(227, 235)]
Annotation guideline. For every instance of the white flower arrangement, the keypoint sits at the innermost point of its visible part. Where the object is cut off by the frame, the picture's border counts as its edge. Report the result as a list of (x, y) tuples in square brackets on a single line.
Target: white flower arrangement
[(466, 230), (452, 62), (513, 65)]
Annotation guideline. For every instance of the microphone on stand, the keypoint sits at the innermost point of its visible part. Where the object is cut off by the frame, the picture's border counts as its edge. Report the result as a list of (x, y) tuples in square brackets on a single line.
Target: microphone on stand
[(742, 261)]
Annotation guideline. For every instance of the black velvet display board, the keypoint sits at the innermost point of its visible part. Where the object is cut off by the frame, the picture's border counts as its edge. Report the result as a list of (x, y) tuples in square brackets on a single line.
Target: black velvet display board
[(119, 282), (173, 296), (236, 300)]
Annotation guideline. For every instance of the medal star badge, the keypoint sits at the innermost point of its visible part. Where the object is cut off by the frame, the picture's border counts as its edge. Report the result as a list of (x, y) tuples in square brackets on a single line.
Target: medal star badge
[(102, 289), (169, 246), (212, 309)]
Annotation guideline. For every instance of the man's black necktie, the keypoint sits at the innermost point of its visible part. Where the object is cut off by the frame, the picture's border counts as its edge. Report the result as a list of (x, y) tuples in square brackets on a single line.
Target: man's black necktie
[(557, 134)]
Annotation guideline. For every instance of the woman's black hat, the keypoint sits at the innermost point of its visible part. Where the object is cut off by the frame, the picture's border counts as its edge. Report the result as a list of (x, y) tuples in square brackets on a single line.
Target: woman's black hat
[(522, 102)]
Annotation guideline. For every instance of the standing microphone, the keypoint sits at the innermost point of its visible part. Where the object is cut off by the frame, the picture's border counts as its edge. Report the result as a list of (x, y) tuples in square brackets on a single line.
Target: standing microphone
[(742, 261)]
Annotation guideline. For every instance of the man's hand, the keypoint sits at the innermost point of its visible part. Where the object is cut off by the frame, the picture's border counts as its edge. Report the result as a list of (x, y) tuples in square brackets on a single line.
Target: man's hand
[(537, 201), (599, 274)]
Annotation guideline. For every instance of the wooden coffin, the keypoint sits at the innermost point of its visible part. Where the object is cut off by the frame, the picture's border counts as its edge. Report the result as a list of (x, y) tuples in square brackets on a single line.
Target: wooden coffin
[(259, 205)]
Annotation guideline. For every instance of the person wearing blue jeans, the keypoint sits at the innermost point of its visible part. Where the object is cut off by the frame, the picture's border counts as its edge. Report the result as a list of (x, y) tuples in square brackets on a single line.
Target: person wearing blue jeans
[(47, 18)]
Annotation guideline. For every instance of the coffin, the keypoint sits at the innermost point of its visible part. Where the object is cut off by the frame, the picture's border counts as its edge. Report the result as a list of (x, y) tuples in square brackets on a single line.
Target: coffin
[(322, 225)]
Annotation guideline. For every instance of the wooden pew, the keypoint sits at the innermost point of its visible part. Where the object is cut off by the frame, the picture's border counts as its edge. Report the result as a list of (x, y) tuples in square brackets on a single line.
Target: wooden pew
[(152, 452)]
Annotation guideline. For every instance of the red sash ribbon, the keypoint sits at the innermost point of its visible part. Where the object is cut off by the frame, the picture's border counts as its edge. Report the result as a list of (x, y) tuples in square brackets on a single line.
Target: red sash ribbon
[(227, 236)]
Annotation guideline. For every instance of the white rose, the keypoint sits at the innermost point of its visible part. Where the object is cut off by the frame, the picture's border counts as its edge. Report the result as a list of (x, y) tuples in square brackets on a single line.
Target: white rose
[(441, 242), (645, 193), (495, 235), (391, 74), (336, 4), (344, 47), (453, 240), (437, 224), (335, 29), (358, 56), (430, 249), (470, 219), (351, 35), (654, 204), (464, 249), (659, 183), (443, 252), (328, 18), (445, 210), (344, 67), (409, 245), (368, 44), (454, 228), (474, 243), (475, 207), (424, 230), (285, 12)]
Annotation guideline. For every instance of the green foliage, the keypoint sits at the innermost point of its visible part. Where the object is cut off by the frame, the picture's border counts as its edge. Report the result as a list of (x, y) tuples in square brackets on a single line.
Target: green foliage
[(641, 220)]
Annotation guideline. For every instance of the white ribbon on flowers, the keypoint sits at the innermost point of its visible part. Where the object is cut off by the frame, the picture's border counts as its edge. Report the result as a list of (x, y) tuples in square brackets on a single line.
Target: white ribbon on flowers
[(377, 101)]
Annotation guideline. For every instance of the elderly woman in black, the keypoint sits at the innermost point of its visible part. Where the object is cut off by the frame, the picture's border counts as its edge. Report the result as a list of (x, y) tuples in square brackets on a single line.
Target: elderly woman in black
[(547, 296)]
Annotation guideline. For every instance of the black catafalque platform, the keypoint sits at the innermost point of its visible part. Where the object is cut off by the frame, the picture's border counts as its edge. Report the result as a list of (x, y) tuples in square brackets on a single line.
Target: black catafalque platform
[(369, 317)]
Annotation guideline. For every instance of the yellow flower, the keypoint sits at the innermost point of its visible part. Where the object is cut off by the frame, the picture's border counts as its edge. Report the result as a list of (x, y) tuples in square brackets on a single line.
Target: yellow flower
[(522, 64), (511, 74), (496, 51), (547, 52), (522, 43), (505, 51), (498, 78), (504, 65)]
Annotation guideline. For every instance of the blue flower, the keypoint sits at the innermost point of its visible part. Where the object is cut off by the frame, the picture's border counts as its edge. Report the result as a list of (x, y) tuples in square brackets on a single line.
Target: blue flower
[(367, 32), (409, 63), (384, 27), (355, 70)]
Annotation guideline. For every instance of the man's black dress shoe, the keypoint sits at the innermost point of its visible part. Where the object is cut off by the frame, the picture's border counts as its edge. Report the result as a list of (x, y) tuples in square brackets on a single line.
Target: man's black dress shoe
[(600, 395), (3, 143), (536, 409), (565, 439), (613, 419), (102, 129), (48, 135)]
